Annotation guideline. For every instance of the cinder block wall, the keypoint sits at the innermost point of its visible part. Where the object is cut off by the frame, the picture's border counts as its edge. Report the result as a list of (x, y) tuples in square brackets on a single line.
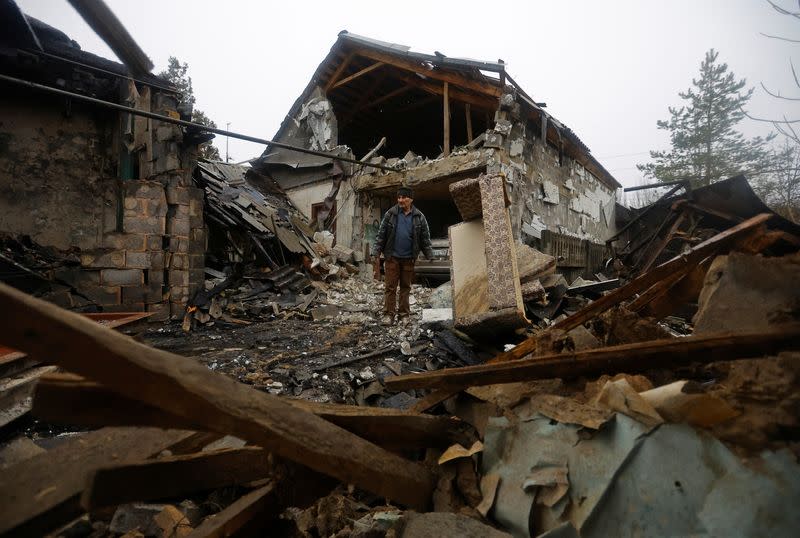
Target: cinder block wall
[(140, 242)]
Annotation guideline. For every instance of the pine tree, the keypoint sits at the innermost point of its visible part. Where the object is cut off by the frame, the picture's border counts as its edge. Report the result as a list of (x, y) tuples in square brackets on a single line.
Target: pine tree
[(177, 74), (706, 146)]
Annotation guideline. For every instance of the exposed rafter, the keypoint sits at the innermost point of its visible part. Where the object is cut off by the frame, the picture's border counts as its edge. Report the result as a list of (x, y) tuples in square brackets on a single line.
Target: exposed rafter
[(437, 74), (357, 74)]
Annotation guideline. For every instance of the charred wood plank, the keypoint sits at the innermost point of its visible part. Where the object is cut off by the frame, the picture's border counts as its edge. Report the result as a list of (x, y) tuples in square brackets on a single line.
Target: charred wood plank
[(72, 399), (43, 492), (628, 358), (174, 476)]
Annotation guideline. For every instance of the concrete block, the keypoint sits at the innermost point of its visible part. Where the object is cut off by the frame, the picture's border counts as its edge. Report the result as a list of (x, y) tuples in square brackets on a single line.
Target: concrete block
[(178, 278), (154, 242), (197, 246), (137, 260), (102, 259), (196, 221), (156, 208), (177, 195), (102, 295), (156, 260), (142, 189), (161, 311), (196, 208), (154, 276), (122, 277), (197, 234), (197, 261), (78, 276), (123, 241), (179, 244), (179, 261), (146, 293), (178, 226), (144, 224)]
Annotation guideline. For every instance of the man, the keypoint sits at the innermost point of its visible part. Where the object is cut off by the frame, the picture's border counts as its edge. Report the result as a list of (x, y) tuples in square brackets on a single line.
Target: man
[(402, 235)]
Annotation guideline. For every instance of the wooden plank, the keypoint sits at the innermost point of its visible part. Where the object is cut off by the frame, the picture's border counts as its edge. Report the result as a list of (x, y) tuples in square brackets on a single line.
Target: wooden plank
[(338, 72), (679, 263), (436, 74), (480, 101), (446, 114), (71, 399), (686, 289), (662, 244), (43, 492), (174, 476), (627, 358), (12, 362), (184, 387), (434, 398), (233, 518), (358, 74), (293, 485)]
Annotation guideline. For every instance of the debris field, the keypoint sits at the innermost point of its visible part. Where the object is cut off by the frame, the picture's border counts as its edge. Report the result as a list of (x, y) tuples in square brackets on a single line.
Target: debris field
[(195, 348)]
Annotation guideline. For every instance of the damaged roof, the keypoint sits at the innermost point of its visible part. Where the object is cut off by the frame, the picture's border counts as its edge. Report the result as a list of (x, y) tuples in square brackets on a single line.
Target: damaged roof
[(477, 83)]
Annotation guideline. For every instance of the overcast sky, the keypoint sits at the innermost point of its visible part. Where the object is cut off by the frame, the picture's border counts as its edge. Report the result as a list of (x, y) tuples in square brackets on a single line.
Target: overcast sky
[(608, 69)]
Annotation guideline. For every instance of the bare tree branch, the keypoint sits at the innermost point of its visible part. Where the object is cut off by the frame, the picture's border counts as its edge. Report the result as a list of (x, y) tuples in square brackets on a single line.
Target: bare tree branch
[(781, 38), (777, 95), (794, 73), (783, 11), (784, 121)]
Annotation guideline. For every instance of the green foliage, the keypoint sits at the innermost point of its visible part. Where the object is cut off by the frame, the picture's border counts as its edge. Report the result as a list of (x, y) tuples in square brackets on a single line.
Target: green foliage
[(706, 146), (177, 74)]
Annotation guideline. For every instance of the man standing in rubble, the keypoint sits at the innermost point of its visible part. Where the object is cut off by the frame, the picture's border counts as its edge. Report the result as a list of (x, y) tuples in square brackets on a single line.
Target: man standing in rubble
[(402, 235)]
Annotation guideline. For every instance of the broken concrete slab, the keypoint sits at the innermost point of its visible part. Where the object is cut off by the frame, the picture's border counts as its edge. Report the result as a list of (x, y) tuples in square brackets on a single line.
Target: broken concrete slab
[(748, 292)]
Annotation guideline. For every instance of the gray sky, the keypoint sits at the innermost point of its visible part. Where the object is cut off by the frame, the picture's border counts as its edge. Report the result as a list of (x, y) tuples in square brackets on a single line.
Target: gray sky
[(608, 69)]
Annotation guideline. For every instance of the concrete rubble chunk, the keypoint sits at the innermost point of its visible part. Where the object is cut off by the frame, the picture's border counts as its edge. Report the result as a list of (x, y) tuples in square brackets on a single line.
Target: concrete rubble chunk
[(748, 292)]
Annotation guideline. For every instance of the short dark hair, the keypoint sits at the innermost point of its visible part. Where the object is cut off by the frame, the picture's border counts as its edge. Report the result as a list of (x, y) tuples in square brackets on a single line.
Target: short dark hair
[(405, 191)]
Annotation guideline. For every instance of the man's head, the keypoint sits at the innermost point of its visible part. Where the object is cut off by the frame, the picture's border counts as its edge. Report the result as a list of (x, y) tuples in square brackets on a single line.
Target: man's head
[(405, 197)]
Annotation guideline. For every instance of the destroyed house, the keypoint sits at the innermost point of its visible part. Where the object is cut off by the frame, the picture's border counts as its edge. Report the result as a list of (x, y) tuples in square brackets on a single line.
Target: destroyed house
[(109, 191), (428, 121)]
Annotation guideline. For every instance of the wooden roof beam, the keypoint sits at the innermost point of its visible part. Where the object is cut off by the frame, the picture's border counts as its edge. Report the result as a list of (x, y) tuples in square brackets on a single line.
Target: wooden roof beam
[(437, 74), (357, 74), (454, 93), (339, 70)]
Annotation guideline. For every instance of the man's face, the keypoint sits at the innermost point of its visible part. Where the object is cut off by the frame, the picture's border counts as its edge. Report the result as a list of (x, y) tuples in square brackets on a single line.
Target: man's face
[(404, 202)]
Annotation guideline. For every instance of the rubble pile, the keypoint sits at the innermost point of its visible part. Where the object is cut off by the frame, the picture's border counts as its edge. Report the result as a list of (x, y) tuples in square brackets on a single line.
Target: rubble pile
[(300, 414)]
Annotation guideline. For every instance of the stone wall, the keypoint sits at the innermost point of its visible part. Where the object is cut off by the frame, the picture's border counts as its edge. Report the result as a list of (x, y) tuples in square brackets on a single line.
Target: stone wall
[(140, 241)]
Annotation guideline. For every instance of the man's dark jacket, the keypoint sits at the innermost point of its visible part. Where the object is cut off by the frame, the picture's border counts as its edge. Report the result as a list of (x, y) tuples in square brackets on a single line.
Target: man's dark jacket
[(420, 235)]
